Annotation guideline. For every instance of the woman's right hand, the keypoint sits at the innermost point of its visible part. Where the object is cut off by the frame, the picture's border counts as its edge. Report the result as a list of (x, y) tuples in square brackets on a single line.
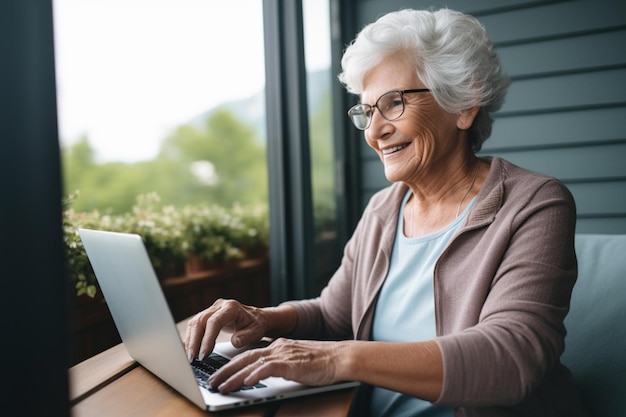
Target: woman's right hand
[(248, 324)]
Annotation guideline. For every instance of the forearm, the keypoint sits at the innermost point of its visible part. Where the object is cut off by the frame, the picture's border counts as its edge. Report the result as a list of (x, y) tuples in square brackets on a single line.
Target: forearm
[(415, 369)]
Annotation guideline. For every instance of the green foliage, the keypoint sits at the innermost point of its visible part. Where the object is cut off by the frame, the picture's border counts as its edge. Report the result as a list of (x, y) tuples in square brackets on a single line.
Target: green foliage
[(161, 227), (172, 236), (232, 149), (80, 272), (226, 144), (216, 234), (79, 269)]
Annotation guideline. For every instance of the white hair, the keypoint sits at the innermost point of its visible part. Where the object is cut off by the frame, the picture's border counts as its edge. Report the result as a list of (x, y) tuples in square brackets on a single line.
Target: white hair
[(452, 54)]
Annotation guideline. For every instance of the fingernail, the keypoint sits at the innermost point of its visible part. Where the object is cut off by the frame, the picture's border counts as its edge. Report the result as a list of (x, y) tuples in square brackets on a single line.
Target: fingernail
[(201, 355)]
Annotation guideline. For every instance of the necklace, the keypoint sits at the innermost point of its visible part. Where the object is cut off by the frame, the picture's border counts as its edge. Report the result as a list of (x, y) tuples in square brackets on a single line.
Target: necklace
[(458, 210)]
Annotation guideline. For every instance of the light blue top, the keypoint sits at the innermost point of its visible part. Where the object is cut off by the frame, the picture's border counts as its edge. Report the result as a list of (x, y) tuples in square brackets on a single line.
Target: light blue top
[(405, 311)]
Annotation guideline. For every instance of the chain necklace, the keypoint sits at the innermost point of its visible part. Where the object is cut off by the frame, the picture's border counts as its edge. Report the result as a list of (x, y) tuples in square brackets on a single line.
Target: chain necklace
[(458, 210)]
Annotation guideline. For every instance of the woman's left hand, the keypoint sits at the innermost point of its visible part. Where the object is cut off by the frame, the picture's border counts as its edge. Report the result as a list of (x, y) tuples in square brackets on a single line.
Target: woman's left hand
[(307, 362)]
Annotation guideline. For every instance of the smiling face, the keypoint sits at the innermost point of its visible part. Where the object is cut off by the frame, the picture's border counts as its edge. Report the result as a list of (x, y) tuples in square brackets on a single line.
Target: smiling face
[(422, 143)]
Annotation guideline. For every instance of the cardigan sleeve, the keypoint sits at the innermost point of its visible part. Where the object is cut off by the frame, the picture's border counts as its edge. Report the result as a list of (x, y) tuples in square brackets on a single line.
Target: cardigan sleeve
[(506, 293)]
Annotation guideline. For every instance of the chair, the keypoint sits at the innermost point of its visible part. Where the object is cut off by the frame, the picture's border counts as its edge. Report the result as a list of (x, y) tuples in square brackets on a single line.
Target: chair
[(595, 346)]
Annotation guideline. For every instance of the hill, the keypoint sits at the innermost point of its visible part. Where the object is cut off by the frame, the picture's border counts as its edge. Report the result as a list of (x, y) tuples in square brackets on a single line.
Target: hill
[(251, 110)]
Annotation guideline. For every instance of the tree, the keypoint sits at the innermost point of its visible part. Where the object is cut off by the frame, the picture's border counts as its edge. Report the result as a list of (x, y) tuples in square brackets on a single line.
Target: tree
[(234, 152), (221, 162)]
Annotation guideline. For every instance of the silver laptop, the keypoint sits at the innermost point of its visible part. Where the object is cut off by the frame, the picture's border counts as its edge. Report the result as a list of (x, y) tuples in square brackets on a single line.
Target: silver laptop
[(145, 324)]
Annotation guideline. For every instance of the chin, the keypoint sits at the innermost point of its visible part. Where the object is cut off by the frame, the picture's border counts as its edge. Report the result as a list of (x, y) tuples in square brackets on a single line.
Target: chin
[(393, 176)]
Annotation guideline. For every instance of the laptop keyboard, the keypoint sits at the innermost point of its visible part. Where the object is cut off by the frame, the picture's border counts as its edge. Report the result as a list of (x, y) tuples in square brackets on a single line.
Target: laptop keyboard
[(208, 366)]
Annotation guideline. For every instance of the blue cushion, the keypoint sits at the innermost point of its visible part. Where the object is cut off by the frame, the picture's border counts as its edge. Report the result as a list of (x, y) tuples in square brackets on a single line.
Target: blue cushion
[(595, 346)]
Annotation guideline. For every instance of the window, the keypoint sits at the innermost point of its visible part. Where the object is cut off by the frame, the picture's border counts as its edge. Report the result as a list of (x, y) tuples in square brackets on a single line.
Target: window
[(161, 96), (319, 93), (161, 108)]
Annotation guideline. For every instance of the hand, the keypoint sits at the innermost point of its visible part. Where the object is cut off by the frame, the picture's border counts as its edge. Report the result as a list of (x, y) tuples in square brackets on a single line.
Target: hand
[(307, 362), (247, 323)]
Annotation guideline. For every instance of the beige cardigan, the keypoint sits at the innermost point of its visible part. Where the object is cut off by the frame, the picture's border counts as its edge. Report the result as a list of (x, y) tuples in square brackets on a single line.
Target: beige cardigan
[(502, 290)]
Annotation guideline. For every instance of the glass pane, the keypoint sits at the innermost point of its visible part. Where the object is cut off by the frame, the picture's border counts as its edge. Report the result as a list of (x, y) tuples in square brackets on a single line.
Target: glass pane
[(161, 109), (161, 96), (319, 79)]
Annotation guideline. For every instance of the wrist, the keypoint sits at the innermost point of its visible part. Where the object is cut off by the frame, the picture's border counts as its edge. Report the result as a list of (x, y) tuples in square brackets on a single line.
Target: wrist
[(346, 360), (281, 320)]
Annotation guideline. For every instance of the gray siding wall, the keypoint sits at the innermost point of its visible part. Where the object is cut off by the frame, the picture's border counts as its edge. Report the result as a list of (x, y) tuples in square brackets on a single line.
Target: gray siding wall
[(565, 113)]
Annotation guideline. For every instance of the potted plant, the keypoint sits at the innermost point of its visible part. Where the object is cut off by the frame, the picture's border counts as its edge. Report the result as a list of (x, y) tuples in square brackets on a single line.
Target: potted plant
[(178, 241), (79, 269), (251, 233), (161, 229), (207, 236)]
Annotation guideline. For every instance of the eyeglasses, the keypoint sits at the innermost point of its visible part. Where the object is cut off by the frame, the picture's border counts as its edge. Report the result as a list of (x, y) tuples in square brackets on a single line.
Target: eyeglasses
[(390, 105)]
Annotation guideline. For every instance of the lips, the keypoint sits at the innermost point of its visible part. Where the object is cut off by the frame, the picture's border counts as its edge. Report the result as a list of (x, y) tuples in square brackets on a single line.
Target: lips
[(394, 149)]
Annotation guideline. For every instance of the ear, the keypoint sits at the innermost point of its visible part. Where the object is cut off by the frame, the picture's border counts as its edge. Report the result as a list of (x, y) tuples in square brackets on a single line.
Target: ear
[(465, 119)]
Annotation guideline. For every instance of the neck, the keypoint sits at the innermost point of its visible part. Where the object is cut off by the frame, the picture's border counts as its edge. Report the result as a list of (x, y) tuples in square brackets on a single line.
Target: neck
[(445, 182), (435, 204)]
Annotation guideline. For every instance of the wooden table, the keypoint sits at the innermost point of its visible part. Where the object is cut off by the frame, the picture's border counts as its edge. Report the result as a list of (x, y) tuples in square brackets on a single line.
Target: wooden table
[(113, 384)]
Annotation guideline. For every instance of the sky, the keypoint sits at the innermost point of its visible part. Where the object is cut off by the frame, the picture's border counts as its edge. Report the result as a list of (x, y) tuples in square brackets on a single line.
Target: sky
[(130, 71)]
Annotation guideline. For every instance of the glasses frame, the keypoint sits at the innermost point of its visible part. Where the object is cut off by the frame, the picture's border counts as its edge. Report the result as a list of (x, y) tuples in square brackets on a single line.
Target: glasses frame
[(371, 108)]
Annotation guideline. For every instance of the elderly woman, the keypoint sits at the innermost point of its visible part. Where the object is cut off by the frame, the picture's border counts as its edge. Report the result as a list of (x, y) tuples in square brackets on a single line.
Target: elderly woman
[(452, 291)]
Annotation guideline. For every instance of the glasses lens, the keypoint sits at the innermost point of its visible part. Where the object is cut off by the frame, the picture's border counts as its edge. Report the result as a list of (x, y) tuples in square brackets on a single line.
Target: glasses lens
[(360, 115), (391, 105)]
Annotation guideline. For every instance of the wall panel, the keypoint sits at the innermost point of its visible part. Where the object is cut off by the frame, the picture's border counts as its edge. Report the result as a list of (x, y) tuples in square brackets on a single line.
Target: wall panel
[(571, 128), (576, 164), (565, 111), (572, 54)]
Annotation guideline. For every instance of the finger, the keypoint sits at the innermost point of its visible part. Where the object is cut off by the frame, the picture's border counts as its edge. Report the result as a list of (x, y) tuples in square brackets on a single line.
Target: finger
[(246, 336), (196, 329), (187, 343), (231, 376), (207, 343), (264, 368), (195, 336), (212, 328), (248, 376), (192, 338)]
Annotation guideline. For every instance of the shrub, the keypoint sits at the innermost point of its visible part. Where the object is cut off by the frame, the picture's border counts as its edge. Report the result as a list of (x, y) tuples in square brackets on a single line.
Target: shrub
[(171, 235)]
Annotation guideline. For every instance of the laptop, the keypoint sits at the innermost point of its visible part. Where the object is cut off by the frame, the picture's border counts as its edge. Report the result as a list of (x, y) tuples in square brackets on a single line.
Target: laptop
[(147, 329)]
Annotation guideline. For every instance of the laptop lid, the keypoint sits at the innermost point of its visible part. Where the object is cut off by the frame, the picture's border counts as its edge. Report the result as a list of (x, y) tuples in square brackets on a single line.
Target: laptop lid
[(147, 329), (139, 309)]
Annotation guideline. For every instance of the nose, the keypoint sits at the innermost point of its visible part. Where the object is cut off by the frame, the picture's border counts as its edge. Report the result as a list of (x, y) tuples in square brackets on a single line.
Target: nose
[(379, 127)]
